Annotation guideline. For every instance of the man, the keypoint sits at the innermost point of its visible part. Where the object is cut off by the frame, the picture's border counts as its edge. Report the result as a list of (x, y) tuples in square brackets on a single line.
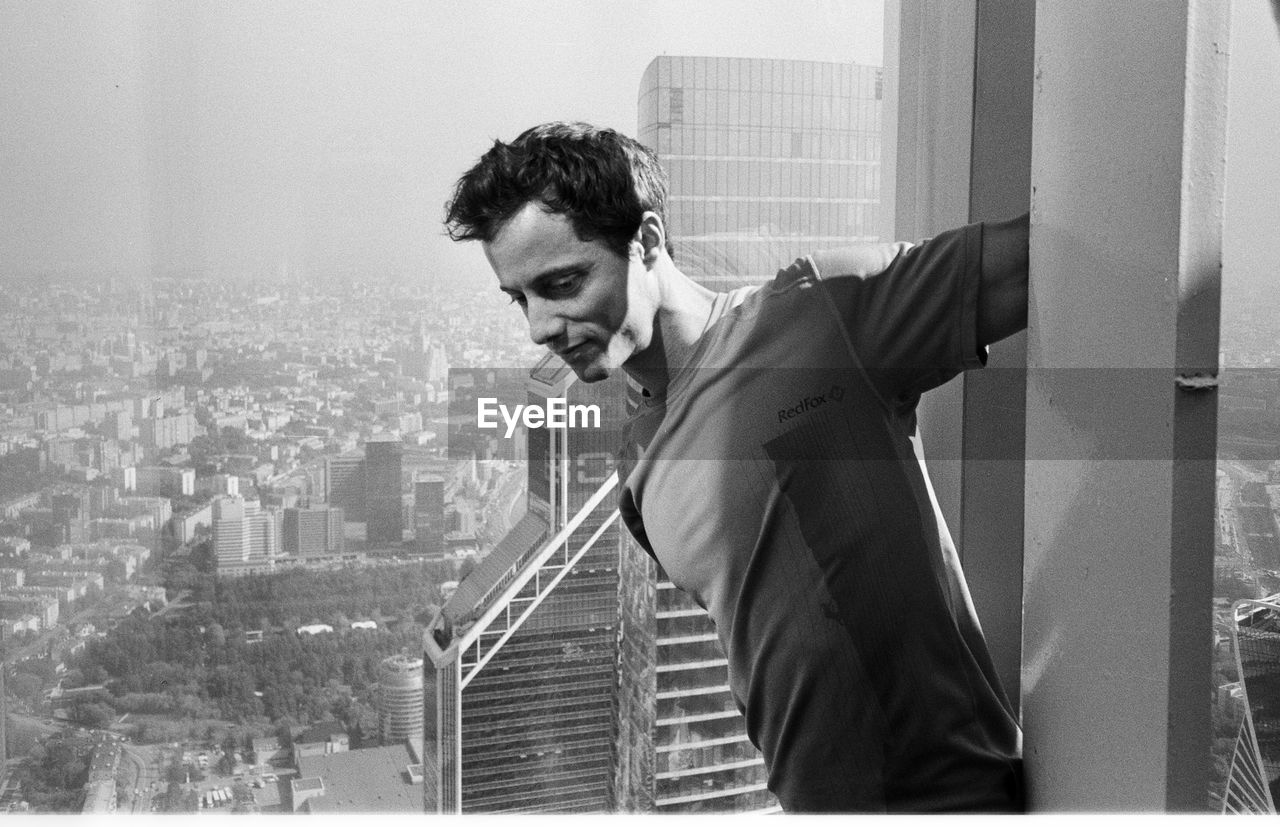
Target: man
[(774, 469)]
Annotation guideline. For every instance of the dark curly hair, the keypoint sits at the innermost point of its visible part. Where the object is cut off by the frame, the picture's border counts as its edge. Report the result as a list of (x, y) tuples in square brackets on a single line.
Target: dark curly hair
[(601, 180)]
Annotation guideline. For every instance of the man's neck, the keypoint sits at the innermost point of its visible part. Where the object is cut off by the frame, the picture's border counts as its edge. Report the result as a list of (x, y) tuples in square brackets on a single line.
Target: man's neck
[(684, 312)]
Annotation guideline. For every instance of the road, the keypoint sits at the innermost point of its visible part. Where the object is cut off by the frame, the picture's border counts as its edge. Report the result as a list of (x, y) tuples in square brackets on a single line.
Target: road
[(139, 773)]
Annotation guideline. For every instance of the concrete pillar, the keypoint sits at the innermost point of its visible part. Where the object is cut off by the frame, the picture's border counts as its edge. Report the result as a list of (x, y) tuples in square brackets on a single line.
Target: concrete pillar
[(1127, 171)]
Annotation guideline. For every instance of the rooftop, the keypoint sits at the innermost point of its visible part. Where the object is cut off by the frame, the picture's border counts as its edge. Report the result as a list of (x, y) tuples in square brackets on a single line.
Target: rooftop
[(523, 537), (373, 780)]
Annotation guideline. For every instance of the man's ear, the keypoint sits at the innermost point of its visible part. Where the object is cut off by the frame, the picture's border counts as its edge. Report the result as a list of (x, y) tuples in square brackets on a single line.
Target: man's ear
[(652, 237)]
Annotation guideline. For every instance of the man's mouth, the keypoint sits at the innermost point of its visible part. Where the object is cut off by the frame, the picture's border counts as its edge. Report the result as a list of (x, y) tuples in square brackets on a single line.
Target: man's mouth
[(568, 352)]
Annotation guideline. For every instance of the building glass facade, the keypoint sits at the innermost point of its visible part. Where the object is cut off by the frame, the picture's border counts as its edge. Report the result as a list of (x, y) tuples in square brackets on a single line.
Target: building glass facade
[(383, 502), (400, 699), (526, 722), (769, 160)]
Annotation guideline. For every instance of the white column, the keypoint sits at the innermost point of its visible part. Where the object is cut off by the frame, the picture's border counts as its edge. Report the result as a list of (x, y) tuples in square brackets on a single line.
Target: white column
[(1127, 170)]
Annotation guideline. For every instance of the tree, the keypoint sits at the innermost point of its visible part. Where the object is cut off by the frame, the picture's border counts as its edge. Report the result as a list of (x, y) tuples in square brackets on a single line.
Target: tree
[(25, 686), (284, 731), (203, 558), (226, 764), (93, 715)]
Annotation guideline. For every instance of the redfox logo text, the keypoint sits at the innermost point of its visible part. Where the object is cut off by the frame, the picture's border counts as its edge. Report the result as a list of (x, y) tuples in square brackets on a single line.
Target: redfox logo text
[(557, 413)]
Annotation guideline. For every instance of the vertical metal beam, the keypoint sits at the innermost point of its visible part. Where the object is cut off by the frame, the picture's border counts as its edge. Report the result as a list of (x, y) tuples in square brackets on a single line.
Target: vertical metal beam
[(958, 106), (1195, 438), (1126, 171), (994, 400), (934, 94)]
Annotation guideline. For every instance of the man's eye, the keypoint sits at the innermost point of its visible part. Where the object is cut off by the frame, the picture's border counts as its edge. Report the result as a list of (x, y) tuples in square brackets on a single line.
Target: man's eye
[(562, 286)]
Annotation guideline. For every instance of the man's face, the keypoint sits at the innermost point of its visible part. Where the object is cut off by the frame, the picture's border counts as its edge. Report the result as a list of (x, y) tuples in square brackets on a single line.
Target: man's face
[(583, 301)]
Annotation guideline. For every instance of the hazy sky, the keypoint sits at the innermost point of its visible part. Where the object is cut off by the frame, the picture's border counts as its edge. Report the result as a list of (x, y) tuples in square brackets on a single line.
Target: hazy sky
[(1250, 259), (138, 135), (250, 135)]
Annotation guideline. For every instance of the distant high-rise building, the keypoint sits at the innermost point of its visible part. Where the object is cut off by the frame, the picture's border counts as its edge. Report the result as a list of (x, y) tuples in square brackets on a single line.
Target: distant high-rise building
[(312, 532), (230, 531), (264, 534), (384, 510), (428, 513), (521, 680), (70, 516), (769, 160), (344, 484), (246, 537), (400, 701), (164, 432)]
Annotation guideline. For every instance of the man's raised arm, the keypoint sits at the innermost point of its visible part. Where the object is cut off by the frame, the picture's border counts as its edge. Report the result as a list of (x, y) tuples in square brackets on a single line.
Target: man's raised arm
[(1002, 294)]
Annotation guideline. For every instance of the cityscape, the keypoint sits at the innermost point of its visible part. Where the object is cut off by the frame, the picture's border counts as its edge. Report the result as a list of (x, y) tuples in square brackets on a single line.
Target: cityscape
[(258, 556)]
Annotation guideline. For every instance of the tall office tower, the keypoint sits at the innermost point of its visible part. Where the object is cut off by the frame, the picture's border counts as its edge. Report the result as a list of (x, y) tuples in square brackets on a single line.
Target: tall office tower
[(264, 532), (344, 483), (70, 516), (244, 533), (312, 532), (337, 539), (231, 538), (1253, 778), (428, 513), (769, 160), (384, 510), (521, 681), (400, 701)]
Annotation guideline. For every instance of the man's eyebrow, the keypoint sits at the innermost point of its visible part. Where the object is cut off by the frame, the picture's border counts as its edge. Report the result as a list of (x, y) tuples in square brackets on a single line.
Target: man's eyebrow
[(563, 270), (549, 275)]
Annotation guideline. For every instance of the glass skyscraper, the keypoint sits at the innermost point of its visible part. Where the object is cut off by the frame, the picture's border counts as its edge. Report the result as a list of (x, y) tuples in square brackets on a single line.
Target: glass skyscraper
[(769, 160), (522, 661), (1253, 779), (383, 503)]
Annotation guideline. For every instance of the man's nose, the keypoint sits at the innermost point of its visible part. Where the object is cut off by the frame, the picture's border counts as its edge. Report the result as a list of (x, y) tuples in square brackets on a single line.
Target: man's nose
[(545, 325)]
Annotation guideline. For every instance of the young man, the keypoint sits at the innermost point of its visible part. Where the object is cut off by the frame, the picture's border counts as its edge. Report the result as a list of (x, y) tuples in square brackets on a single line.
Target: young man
[(774, 468)]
